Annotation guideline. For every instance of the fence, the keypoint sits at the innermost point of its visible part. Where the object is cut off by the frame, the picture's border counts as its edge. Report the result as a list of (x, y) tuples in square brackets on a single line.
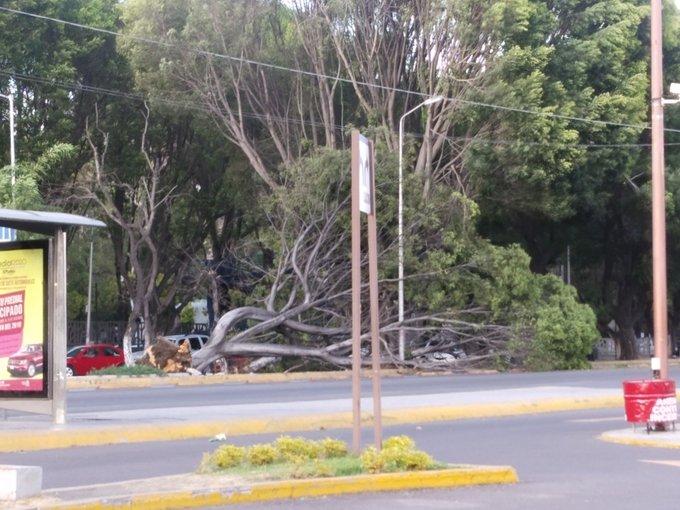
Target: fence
[(607, 349), (111, 332)]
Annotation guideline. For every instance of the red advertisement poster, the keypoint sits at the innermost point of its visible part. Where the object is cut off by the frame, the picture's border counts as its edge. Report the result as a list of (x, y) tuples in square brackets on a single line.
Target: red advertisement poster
[(11, 322), (22, 320)]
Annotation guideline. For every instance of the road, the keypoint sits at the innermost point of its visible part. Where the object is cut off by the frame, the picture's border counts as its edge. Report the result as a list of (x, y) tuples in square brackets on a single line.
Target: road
[(92, 401), (560, 462)]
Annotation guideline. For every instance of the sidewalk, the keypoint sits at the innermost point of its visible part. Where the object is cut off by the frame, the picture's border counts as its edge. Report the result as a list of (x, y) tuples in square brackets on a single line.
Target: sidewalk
[(166, 424), (640, 437)]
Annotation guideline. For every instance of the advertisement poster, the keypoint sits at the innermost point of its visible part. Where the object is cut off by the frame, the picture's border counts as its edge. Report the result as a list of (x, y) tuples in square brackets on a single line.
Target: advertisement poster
[(23, 328)]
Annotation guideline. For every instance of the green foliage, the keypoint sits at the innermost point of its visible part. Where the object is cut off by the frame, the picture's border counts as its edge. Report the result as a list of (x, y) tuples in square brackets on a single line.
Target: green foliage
[(297, 457), (131, 371), (399, 443), (228, 456), (333, 448), (398, 453), (261, 454), (186, 316), (565, 331), (485, 232), (295, 448), (314, 469), (371, 461)]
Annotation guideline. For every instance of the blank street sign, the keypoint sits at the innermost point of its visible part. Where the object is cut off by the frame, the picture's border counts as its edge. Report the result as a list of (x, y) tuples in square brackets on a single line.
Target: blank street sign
[(7, 234)]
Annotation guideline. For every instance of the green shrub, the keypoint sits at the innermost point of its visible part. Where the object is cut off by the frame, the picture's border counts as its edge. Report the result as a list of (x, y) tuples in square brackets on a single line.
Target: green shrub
[(398, 454), (400, 442), (333, 448), (261, 454), (565, 330), (228, 456), (371, 460), (186, 316), (293, 448), (322, 470), (134, 370), (396, 459)]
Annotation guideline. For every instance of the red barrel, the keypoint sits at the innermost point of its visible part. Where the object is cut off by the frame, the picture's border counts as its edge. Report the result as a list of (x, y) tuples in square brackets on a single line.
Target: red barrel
[(650, 401)]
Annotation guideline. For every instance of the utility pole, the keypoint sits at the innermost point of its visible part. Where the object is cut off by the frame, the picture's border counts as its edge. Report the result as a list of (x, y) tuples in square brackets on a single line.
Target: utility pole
[(660, 300), (88, 324)]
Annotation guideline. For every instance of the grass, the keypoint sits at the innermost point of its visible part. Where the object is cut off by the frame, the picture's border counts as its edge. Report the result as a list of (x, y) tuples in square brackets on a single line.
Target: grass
[(135, 370), (341, 466)]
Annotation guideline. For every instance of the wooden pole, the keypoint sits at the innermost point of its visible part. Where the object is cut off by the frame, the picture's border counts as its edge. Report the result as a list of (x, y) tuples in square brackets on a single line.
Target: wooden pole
[(660, 300)]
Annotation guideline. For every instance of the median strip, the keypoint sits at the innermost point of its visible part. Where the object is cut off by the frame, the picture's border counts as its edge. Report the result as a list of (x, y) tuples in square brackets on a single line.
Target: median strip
[(231, 493), (110, 382)]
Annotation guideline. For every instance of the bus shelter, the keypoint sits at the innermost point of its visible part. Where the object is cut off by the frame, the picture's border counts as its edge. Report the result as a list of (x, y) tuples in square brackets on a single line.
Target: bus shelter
[(33, 315)]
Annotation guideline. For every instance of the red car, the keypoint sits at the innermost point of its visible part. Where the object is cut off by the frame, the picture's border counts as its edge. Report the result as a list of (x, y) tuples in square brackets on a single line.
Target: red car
[(27, 362), (84, 359)]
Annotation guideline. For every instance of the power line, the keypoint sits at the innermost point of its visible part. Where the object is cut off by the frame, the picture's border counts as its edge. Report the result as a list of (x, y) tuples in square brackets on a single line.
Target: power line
[(312, 74), (191, 106), (252, 115)]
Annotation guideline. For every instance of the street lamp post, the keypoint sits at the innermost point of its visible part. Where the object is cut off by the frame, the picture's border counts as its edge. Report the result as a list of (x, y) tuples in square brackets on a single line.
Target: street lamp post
[(427, 102), (12, 160)]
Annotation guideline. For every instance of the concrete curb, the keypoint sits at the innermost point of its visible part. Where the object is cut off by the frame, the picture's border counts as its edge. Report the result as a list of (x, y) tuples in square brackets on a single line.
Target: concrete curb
[(294, 489), (634, 363), (53, 438), (654, 440)]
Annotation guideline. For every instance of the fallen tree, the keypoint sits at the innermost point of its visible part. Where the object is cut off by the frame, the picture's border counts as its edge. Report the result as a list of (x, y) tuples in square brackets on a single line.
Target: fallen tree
[(304, 304), (167, 356)]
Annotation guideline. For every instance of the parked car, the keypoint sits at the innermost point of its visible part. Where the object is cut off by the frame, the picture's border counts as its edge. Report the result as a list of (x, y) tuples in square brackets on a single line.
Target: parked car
[(196, 340), (83, 359), (26, 362)]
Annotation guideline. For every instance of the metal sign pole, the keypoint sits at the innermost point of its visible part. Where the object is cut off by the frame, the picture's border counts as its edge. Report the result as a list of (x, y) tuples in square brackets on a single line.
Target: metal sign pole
[(374, 304), (356, 298), (363, 200), (58, 327)]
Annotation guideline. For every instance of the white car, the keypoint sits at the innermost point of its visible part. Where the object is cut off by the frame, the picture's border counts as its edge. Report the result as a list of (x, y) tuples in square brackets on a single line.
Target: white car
[(196, 340)]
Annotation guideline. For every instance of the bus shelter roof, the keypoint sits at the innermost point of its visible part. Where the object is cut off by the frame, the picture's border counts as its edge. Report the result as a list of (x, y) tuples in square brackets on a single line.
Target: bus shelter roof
[(44, 222)]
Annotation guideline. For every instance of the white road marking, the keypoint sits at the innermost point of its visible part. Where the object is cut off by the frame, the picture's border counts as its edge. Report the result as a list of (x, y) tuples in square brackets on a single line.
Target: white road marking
[(674, 463), (598, 420)]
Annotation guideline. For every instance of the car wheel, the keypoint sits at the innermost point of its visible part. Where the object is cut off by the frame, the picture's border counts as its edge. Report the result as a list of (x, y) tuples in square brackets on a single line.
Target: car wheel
[(69, 371), (31, 370)]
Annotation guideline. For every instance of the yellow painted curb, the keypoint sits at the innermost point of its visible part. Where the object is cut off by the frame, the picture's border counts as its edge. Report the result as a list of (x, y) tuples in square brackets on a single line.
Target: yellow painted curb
[(24, 440), (639, 441), (293, 489)]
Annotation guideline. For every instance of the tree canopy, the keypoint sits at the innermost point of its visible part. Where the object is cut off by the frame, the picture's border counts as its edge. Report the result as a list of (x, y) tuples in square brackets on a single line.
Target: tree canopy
[(212, 137)]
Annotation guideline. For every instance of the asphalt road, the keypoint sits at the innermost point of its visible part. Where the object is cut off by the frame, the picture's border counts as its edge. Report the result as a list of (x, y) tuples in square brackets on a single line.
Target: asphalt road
[(560, 462), (232, 393)]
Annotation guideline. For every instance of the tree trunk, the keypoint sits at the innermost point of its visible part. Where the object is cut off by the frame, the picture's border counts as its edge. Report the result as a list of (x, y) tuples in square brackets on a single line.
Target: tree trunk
[(625, 336), (127, 340)]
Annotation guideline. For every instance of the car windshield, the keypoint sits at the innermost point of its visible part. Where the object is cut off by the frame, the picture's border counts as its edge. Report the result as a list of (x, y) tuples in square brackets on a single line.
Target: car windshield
[(32, 348), (73, 351)]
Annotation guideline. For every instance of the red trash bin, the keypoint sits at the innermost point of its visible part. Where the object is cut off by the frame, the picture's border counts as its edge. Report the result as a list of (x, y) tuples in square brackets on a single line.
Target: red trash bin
[(651, 402)]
